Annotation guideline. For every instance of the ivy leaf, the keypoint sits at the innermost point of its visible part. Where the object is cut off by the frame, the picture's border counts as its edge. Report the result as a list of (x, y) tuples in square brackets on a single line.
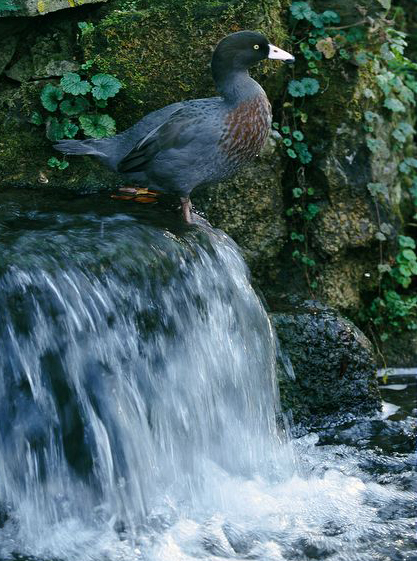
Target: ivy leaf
[(287, 141), (374, 144), (412, 162), (409, 254), (406, 241), (105, 86), (385, 228), (378, 188), (71, 83), (329, 16), (370, 116), (74, 106), (301, 10), (55, 163), (312, 210), (97, 126), (291, 153), (304, 155), (394, 105), (298, 135), (70, 129), (286, 130), (380, 236), (406, 128), (54, 129), (398, 135), (316, 20), (36, 118), (310, 85), (297, 192), (296, 89), (51, 96)]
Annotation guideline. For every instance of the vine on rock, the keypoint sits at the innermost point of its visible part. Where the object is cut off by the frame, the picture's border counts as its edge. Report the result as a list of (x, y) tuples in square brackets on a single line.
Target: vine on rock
[(376, 44)]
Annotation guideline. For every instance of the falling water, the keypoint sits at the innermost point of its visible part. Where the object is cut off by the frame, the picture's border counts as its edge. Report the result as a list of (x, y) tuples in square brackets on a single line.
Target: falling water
[(138, 402)]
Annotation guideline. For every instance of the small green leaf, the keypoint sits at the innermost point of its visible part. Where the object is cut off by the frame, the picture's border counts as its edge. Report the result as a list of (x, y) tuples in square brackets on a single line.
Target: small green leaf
[(298, 135), (74, 106), (394, 105), (286, 130), (310, 85), (36, 118), (380, 236), (291, 153), (287, 141), (297, 192), (97, 126), (409, 254), (329, 16), (398, 135), (105, 86), (296, 89), (71, 83), (54, 129), (303, 153), (70, 129), (51, 96), (371, 116), (406, 241), (301, 10)]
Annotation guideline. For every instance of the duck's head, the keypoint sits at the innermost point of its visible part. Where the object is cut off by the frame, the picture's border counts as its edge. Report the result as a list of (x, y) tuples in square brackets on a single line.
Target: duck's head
[(239, 51)]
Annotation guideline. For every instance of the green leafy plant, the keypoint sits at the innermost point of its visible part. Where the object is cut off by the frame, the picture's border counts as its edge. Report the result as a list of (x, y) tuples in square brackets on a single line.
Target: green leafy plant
[(73, 106), (380, 48)]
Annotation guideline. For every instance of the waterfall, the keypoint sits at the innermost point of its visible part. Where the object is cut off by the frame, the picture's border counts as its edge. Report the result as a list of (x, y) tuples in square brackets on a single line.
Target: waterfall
[(138, 406), (137, 366)]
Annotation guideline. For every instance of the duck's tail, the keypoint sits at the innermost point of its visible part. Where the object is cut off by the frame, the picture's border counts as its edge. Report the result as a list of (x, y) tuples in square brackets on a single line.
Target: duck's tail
[(91, 147)]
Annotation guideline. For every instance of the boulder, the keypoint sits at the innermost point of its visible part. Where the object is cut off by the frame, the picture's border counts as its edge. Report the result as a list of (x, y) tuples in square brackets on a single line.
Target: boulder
[(333, 362)]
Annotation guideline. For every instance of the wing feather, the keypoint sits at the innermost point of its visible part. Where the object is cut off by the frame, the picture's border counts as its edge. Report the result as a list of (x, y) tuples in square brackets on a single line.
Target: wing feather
[(173, 133)]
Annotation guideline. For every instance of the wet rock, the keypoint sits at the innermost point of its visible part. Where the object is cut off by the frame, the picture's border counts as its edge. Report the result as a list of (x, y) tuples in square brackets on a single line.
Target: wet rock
[(250, 208), (333, 362), (22, 70), (7, 50), (41, 7)]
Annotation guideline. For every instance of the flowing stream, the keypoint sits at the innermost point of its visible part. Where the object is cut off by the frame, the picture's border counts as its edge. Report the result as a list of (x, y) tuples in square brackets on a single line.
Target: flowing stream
[(138, 405)]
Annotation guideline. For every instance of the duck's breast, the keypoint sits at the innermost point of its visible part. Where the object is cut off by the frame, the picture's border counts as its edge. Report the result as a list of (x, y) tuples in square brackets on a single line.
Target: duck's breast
[(246, 129)]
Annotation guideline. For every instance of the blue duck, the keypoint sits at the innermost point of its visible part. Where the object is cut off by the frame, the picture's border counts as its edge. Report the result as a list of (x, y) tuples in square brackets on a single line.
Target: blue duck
[(197, 142)]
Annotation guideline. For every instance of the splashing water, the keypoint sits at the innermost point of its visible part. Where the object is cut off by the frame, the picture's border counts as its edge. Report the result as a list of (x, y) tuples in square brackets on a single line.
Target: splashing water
[(138, 407)]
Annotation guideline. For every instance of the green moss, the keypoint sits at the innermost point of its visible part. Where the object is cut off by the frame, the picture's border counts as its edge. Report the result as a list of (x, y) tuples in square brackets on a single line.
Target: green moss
[(174, 64)]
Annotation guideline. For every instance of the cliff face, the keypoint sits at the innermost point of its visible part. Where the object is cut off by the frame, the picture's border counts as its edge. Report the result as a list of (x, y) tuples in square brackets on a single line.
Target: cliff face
[(161, 52)]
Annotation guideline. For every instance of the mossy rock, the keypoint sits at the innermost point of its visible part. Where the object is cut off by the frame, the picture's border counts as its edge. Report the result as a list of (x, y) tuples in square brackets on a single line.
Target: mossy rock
[(163, 56)]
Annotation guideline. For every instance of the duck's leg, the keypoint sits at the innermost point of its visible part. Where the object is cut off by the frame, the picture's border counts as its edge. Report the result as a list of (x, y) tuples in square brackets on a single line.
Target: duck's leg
[(186, 209)]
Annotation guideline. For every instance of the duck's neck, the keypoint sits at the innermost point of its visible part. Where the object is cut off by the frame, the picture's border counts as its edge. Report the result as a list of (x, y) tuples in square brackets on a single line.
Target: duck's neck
[(235, 85)]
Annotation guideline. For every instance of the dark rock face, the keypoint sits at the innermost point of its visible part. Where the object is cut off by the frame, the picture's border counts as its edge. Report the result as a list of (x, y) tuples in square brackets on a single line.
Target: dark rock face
[(333, 361)]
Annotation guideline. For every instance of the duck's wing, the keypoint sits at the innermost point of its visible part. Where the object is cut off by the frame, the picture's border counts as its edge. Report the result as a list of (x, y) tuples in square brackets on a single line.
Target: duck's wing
[(176, 132)]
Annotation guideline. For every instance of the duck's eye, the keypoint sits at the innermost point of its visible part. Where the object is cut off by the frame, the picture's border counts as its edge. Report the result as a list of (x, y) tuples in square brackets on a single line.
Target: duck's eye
[(256, 47)]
